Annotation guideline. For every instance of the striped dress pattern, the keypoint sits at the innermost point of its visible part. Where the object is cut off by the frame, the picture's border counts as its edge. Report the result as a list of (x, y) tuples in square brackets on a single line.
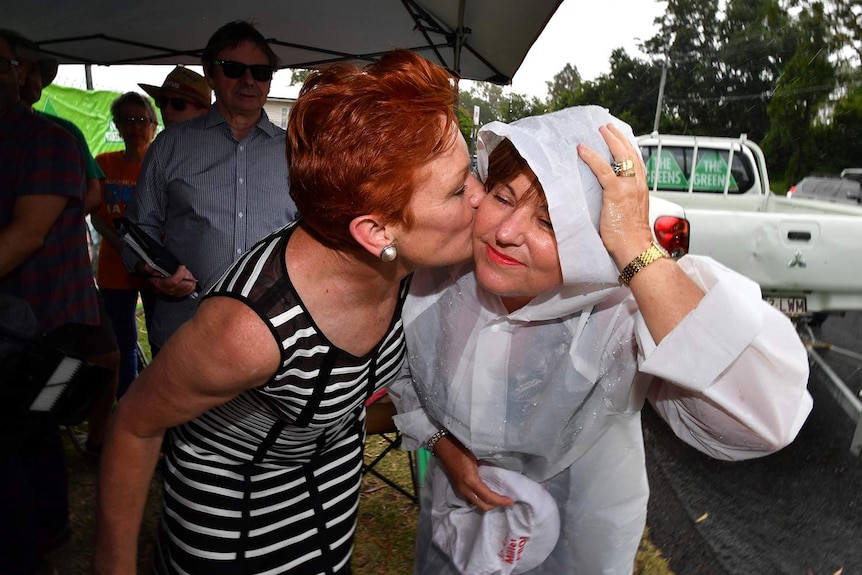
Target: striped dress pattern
[(269, 482)]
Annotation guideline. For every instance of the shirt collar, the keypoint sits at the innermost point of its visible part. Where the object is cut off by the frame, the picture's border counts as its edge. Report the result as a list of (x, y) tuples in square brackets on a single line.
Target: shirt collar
[(214, 118)]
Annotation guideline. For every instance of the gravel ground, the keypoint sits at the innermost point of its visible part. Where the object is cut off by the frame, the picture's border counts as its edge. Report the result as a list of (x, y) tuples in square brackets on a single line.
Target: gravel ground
[(796, 512)]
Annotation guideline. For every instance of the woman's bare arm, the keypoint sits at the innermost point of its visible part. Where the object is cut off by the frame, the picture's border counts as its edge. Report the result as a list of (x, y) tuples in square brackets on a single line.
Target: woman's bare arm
[(223, 350)]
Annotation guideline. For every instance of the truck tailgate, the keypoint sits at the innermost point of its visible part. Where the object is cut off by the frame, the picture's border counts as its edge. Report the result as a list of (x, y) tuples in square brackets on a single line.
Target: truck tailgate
[(787, 252)]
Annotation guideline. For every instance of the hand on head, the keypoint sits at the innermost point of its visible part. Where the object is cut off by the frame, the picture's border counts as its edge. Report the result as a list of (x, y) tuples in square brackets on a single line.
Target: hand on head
[(624, 224)]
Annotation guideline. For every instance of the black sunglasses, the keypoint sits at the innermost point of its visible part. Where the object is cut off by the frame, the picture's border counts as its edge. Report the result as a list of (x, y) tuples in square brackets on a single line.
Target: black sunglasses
[(234, 70), (177, 104)]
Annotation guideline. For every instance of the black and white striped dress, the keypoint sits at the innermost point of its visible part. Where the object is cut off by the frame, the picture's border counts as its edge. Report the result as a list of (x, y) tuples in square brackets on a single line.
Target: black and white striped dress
[(269, 482)]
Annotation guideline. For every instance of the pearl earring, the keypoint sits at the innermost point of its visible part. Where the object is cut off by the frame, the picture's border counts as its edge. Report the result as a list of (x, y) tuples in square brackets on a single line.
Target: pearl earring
[(388, 254)]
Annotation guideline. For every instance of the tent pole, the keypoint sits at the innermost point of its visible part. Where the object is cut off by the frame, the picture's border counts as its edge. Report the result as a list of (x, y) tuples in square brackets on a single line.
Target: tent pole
[(459, 37)]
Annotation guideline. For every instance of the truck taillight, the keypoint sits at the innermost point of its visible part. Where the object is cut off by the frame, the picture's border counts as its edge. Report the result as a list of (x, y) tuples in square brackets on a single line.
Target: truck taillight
[(672, 234)]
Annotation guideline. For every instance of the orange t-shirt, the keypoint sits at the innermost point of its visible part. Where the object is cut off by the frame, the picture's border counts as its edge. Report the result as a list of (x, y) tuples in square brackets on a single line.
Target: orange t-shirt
[(118, 188)]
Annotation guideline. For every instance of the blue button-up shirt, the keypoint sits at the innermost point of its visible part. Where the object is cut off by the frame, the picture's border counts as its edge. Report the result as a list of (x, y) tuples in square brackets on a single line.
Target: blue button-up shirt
[(209, 198)]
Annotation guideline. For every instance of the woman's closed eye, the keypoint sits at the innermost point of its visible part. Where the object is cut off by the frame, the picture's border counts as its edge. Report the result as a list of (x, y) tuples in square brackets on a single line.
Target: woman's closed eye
[(502, 198)]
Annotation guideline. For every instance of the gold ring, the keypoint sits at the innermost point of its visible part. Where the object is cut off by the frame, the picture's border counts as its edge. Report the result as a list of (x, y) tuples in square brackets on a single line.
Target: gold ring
[(624, 168), (628, 174)]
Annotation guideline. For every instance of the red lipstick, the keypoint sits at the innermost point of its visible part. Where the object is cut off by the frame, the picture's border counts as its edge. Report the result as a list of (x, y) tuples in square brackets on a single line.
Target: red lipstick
[(499, 258)]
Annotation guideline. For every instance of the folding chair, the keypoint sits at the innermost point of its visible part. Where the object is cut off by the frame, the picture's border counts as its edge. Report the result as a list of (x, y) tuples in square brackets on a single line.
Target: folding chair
[(379, 412)]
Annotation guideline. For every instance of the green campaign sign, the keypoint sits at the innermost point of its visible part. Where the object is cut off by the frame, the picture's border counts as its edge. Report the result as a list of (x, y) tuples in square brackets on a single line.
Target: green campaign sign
[(90, 110), (670, 176), (711, 172)]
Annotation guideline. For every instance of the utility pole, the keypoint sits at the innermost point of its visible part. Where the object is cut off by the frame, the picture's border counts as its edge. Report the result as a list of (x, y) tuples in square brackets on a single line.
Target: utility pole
[(660, 94)]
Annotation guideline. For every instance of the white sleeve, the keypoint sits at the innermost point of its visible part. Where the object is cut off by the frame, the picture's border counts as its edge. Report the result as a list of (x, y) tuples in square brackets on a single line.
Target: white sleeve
[(738, 369), (415, 425)]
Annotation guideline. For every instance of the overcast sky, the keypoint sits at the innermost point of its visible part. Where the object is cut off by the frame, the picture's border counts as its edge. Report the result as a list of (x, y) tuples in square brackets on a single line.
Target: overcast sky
[(584, 34), (580, 33)]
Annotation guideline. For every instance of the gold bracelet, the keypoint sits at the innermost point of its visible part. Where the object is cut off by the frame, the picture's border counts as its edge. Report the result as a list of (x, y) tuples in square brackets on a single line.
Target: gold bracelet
[(653, 253)]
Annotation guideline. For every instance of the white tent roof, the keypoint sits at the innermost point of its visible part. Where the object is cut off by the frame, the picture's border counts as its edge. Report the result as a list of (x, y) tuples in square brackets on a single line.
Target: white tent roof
[(482, 39)]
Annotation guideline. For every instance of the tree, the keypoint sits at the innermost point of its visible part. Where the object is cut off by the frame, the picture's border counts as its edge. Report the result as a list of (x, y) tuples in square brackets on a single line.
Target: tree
[(845, 19), (798, 99), (487, 97), (687, 43), (517, 106), (563, 90), (465, 124), (299, 76), (754, 47), (840, 141), (629, 91)]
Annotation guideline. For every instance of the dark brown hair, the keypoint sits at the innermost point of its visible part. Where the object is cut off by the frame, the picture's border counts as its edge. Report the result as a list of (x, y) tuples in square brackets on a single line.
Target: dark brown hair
[(505, 164), (232, 35)]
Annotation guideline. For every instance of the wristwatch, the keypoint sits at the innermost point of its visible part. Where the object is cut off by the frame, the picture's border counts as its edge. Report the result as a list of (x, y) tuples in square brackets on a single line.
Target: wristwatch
[(651, 254)]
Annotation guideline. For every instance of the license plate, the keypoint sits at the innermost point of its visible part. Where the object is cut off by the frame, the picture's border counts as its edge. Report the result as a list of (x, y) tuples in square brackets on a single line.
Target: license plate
[(789, 305)]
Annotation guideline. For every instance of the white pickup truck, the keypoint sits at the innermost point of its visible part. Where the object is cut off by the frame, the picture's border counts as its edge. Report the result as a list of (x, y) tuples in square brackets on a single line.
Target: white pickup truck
[(805, 254)]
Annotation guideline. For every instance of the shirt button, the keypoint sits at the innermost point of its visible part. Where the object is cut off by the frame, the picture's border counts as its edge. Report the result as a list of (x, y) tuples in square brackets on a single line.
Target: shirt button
[(497, 456), (495, 328), (242, 148), (240, 214), (239, 251), (241, 180)]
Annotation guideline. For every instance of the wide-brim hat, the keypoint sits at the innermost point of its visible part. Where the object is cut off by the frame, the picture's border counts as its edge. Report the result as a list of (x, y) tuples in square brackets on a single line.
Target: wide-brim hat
[(27, 50), (182, 82), (504, 540)]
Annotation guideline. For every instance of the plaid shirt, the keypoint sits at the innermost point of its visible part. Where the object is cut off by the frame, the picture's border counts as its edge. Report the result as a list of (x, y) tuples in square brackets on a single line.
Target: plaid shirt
[(40, 158)]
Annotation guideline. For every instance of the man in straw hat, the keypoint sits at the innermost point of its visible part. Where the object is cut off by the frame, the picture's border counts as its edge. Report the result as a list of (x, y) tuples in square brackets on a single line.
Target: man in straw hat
[(183, 95)]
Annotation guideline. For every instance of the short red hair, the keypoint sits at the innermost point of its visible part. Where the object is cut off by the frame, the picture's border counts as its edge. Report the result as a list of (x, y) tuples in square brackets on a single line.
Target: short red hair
[(357, 138)]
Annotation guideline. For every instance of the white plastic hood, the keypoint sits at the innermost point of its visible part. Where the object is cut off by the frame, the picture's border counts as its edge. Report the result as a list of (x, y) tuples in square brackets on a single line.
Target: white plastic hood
[(549, 145)]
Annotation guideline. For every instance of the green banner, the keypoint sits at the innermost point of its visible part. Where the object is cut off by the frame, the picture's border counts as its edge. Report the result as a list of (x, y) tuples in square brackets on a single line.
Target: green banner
[(90, 110), (670, 176), (709, 174), (711, 171)]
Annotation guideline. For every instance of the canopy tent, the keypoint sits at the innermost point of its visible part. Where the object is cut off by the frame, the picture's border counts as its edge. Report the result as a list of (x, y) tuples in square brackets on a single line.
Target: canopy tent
[(479, 39)]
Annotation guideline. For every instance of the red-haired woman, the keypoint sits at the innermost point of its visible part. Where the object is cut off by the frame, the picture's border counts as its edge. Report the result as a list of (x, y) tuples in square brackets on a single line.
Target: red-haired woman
[(264, 388)]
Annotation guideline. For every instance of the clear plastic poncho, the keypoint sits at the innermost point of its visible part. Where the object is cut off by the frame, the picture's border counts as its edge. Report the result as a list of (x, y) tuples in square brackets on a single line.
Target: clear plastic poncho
[(554, 389)]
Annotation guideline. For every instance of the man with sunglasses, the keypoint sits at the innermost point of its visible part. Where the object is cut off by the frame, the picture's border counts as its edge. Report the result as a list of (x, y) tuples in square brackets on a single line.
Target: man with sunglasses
[(183, 95), (212, 186)]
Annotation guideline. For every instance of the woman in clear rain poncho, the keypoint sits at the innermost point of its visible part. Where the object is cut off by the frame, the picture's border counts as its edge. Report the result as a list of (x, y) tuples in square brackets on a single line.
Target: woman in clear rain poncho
[(537, 360)]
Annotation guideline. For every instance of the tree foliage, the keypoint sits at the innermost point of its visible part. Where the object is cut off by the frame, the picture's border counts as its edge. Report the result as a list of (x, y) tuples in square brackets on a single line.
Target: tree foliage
[(785, 72), (563, 89), (299, 76), (798, 99), (788, 73)]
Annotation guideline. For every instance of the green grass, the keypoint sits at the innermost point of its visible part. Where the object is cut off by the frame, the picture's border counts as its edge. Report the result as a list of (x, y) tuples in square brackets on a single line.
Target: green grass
[(385, 532)]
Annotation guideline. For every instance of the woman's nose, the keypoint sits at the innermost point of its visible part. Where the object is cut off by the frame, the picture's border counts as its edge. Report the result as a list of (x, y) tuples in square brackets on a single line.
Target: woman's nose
[(513, 227)]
